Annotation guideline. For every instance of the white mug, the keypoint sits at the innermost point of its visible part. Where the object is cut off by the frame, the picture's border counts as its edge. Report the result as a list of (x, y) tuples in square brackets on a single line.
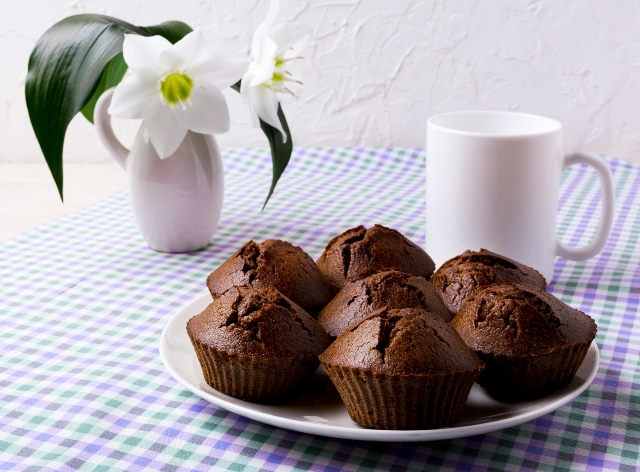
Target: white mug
[(492, 182)]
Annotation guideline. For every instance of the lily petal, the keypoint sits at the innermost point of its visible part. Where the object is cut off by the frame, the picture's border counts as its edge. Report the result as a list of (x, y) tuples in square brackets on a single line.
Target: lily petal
[(291, 36), (165, 131), (265, 103), (247, 96), (266, 63), (218, 69), (209, 113), (134, 95), (181, 55), (263, 29), (143, 51)]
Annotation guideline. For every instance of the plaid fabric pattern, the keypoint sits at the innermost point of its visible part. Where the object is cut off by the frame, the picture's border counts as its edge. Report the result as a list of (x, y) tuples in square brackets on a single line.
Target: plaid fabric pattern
[(83, 302)]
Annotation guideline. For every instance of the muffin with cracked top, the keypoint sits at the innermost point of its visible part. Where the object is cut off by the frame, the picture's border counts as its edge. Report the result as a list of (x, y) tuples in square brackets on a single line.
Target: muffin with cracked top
[(531, 342), (274, 263), (402, 369), (359, 252), (392, 289), (256, 344), (458, 278)]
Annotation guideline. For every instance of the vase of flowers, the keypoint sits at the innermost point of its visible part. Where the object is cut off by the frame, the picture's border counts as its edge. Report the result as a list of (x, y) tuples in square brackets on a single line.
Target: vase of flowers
[(176, 200), (174, 82)]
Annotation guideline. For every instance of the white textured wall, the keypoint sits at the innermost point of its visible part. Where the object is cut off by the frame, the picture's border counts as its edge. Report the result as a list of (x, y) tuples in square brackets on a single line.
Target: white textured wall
[(379, 68)]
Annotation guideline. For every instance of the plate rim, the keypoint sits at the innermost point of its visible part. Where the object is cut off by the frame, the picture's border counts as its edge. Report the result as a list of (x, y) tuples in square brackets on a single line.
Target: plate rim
[(365, 433)]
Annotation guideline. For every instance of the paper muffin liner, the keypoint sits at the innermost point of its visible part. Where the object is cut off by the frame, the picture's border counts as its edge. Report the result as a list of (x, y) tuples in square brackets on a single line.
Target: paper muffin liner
[(512, 379), (381, 401), (254, 379)]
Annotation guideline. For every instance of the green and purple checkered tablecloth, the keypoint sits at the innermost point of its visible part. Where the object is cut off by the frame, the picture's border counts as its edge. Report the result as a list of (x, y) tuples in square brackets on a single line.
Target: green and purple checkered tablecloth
[(83, 302)]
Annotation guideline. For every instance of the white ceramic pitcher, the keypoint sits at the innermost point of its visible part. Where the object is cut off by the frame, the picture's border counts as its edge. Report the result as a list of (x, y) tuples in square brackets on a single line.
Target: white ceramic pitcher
[(176, 201)]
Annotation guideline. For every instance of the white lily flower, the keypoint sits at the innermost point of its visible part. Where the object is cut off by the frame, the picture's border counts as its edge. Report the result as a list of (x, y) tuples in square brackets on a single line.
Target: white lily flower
[(175, 88), (273, 50)]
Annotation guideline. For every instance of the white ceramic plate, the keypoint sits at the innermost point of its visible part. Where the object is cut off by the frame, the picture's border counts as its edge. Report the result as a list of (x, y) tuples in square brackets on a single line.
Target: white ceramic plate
[(322, 412)]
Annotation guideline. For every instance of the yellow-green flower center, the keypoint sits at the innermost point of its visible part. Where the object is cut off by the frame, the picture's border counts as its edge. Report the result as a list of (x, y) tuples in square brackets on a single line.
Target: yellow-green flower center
[(277, 77), (176, 88)]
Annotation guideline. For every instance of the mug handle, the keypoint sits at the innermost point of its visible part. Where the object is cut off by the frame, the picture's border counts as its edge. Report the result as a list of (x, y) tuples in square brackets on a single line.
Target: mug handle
[(606, 215), (102, 121)]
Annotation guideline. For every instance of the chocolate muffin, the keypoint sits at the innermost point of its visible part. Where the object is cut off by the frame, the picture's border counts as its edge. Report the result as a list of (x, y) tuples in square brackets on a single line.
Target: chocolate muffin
[(392, 289), (402, 369), (274, 263), (256, 344), (532, 343), (359, 252), (459, 277)]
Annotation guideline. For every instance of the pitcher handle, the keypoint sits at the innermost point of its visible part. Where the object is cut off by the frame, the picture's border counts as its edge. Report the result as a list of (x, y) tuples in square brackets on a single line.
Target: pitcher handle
[(606, 215), (102, 121)]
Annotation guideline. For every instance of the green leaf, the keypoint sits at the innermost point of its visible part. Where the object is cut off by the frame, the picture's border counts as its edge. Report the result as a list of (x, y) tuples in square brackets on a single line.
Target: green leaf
[(66, 70), (173, 31), (280, 151), (111, 76)]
